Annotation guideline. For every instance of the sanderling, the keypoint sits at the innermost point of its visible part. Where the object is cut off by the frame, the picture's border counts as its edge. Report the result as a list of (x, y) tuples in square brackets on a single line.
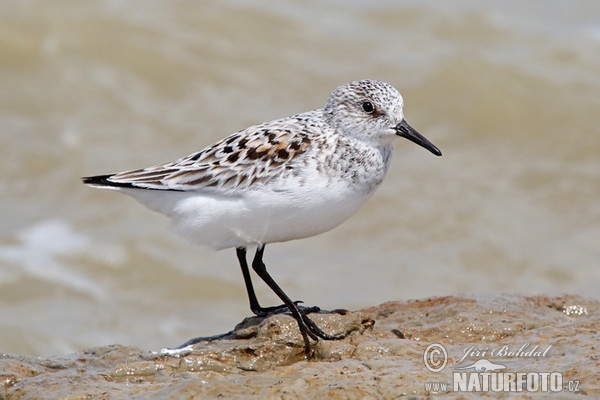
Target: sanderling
[(286, 179)]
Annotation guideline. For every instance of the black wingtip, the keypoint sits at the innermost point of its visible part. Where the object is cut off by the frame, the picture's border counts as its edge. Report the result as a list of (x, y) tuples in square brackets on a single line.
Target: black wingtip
[(96, 180), (103, 180)]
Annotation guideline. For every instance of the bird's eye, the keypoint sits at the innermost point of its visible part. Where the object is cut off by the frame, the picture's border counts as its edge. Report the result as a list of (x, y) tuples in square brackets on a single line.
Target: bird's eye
[(368, 107)]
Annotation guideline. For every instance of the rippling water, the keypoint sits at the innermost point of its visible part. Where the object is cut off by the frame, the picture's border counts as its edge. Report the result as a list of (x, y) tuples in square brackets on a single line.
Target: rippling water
[(509, 91)]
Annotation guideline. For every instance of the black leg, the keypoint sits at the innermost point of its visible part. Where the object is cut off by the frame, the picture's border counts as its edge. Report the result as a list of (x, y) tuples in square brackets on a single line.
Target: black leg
[(254, 305), (306, 325)]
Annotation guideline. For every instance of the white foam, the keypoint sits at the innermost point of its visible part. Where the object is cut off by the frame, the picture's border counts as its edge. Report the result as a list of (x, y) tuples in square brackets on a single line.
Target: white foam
[(39, 254), (177, 352)]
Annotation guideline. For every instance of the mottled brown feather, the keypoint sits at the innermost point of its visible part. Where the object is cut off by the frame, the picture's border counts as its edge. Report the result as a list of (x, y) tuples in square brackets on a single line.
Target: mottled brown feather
[(237, 162)]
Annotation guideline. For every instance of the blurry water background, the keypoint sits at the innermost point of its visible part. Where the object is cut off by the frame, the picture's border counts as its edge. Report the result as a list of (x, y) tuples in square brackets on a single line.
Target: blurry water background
[(510, 91)]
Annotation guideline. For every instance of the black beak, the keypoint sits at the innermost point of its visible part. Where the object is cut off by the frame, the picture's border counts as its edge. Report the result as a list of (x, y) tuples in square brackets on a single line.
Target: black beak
[(405, 130)]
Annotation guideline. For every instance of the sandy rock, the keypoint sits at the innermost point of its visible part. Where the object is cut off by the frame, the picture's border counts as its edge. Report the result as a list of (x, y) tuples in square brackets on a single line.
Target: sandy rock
[(381, 356)]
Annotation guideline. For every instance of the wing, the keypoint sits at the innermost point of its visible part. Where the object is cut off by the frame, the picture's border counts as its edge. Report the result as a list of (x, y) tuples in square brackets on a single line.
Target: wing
[(256, 155)]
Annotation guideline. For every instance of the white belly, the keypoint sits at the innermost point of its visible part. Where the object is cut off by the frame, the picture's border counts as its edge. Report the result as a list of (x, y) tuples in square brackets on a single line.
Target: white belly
[(254, 217)]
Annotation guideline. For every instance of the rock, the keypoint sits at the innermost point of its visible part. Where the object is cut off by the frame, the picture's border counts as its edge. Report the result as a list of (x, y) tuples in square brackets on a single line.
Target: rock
[(381, 356)]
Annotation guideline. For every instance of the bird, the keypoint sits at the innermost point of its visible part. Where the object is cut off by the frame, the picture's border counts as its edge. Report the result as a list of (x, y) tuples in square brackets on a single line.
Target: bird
[(287, 179)]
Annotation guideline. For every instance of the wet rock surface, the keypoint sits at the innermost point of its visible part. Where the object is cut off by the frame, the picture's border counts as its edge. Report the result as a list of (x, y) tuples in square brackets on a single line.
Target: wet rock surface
[(381, 356)]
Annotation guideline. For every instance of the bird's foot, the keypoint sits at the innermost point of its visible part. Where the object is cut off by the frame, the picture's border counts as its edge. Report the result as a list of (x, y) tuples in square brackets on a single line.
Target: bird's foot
[(265, 312)]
